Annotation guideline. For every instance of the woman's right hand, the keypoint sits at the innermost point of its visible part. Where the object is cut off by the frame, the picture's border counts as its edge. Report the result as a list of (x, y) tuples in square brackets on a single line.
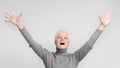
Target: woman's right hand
[(16, 20)]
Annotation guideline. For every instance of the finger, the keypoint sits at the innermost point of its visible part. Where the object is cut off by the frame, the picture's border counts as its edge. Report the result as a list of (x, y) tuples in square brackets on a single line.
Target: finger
[(10, 13), (106, 14), (100, 18), (7, 20), (109, 14), (7, 17), (20, 15)]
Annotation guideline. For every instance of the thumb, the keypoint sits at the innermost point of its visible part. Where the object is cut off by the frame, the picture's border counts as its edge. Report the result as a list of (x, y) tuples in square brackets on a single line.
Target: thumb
[(100, 18), (20, 15)]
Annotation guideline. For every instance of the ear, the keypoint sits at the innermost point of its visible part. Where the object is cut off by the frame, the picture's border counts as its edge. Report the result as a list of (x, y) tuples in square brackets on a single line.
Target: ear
[(55, 42), (68, 43)]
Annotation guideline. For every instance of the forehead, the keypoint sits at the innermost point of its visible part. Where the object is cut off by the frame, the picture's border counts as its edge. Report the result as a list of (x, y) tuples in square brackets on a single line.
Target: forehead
[(61, 33)]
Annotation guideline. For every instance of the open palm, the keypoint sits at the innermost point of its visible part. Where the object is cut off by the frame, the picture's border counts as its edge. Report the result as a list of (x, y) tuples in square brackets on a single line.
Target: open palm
[(106, 19), (10, 17)]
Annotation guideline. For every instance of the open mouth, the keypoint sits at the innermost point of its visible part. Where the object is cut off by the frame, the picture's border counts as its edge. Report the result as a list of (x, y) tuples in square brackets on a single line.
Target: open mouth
[(62, 43)]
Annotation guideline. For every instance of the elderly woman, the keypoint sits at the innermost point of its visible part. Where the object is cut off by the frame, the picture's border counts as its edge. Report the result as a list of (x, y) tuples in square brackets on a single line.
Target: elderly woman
[(60, 59)]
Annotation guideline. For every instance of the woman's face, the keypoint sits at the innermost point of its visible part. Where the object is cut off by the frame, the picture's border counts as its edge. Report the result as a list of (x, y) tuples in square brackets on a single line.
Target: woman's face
[(62, 41)]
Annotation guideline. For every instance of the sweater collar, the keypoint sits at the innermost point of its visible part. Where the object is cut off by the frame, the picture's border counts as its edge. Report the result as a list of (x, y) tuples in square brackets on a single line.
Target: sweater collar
[(60, 52)]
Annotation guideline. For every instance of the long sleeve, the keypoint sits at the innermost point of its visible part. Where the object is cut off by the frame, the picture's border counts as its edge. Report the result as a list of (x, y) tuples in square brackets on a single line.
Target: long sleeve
[(82, 52), (39, 50)]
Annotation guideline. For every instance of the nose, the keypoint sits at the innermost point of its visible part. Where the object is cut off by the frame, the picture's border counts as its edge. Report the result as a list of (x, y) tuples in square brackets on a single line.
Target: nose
[(62, 38)]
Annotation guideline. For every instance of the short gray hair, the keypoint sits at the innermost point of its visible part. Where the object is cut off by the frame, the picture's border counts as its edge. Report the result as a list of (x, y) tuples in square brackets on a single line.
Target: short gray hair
[(60, 31)]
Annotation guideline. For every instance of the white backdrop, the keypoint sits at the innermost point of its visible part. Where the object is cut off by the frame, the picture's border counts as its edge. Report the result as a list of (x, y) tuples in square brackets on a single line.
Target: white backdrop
[(42, 18)]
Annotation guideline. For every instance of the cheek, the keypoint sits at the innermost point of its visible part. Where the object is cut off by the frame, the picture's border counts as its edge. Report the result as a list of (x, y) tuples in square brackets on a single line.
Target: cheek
[(67, 41), (57, 41)]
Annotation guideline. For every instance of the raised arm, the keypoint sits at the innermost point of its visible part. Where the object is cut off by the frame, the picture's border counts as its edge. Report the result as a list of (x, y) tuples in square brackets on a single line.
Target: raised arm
[(10, 17), (82, 52), (104, 21)]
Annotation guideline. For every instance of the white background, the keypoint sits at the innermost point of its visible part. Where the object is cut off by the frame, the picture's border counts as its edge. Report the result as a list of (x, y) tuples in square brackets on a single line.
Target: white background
[(43, 18)]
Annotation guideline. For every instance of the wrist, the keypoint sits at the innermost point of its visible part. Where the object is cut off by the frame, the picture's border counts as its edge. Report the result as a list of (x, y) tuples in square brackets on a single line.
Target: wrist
[(20, 26), (101, 27)]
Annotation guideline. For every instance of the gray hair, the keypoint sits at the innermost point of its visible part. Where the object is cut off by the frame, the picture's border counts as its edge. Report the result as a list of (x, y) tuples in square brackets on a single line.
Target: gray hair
[(60, 31)]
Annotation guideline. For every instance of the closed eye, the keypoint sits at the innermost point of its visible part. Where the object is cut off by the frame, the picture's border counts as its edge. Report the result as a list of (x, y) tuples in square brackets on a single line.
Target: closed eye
[(65, 38)]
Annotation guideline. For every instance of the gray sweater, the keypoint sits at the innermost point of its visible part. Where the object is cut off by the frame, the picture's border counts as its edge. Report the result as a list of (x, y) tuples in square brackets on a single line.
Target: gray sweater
[(61, 59)]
